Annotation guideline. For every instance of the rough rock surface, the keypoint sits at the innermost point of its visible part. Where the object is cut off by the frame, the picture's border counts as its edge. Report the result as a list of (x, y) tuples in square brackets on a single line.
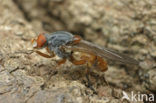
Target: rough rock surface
[(128, 26)]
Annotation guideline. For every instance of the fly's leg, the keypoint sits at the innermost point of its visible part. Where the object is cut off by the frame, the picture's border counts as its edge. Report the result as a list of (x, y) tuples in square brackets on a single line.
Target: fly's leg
[(44, 55), (88, 60), (101, 65), (59, 62), (50, 52)]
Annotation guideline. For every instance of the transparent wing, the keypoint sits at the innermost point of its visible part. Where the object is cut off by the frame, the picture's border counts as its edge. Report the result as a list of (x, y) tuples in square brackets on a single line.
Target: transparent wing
[(85, 46)]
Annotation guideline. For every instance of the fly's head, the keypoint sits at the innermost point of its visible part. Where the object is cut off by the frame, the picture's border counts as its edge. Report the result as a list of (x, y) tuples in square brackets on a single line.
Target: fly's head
[(40, 42), (56, 41)]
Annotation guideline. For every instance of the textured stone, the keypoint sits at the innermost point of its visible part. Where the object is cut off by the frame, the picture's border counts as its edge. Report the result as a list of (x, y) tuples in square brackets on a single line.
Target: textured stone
[(127, 26)]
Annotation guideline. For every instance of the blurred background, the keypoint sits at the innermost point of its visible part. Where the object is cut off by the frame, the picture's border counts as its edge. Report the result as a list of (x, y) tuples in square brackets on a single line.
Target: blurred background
[(127, 26)]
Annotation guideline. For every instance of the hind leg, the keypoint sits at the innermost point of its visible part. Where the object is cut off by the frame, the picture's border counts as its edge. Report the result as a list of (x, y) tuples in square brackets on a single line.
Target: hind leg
[(90, 61), (87, 59)]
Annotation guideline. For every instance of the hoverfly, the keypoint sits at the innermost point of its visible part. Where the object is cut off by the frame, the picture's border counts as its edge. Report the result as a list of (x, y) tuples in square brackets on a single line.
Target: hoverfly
[(64, 45)]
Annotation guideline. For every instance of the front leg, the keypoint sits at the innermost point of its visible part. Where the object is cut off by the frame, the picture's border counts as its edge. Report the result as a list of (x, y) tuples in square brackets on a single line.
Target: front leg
[(59, 62), (45, 55)]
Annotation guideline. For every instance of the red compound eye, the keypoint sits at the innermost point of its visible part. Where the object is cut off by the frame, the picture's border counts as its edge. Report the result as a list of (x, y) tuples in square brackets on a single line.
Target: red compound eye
[(41, 40)]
